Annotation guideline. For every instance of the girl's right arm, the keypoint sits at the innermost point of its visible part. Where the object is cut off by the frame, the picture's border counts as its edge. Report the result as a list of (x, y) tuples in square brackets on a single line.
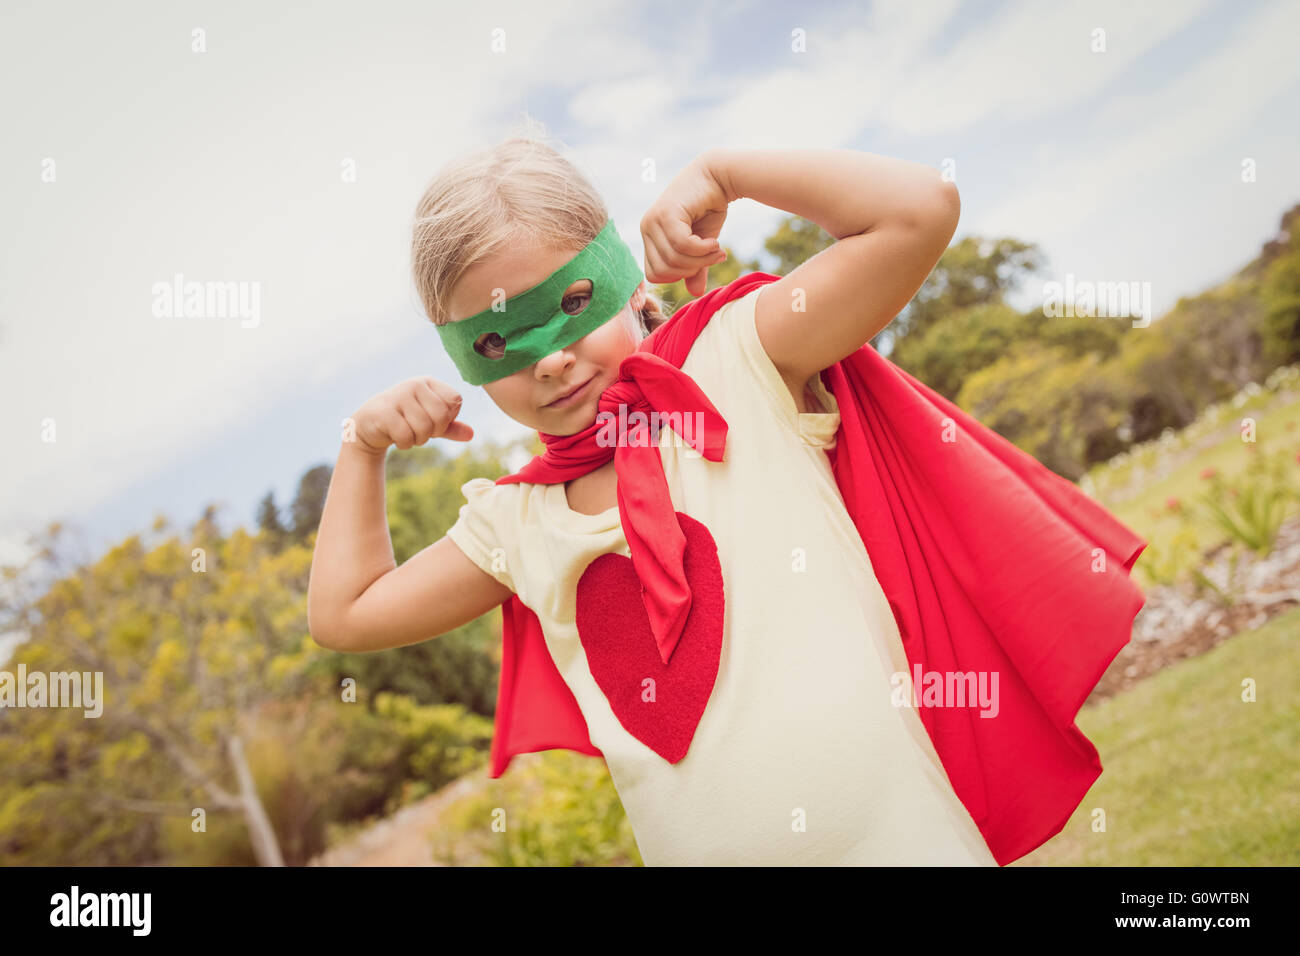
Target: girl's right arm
[(357, 597)]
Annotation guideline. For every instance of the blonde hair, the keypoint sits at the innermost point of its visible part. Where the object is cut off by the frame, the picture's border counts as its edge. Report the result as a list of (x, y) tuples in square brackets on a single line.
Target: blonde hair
[(481, 202)]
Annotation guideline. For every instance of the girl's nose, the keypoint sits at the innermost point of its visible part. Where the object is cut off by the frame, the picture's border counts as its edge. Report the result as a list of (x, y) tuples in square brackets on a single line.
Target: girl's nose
[(556, 363)]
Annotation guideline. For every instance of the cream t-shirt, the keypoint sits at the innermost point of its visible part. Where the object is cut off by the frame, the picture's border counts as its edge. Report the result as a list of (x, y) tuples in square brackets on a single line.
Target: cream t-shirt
[(800, 756)]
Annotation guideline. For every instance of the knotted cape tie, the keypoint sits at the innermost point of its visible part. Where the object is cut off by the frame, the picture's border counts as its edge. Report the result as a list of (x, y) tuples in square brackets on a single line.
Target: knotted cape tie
[(649, 392)]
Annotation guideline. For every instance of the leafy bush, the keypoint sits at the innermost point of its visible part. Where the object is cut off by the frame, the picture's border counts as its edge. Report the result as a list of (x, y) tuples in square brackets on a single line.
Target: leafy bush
[(1065, 412), (1252, 510), (555, 808)]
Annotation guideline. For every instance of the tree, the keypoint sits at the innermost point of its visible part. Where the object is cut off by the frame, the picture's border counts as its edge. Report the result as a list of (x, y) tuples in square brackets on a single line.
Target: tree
[(795, 241), (947, 353), (1064, 410), (309, 502), (1280, 292), (970, 273), (268, 518), (188, 638)]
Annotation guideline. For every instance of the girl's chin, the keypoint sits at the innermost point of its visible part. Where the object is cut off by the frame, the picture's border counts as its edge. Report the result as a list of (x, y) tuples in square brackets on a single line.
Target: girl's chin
[(581, 419)]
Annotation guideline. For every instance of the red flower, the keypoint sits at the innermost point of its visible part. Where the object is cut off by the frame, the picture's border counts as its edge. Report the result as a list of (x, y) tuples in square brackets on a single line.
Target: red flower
[(1208, 473), (1173, 505)]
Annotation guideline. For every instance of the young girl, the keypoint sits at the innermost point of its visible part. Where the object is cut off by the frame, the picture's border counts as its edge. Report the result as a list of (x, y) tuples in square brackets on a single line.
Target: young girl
[(741, 674)]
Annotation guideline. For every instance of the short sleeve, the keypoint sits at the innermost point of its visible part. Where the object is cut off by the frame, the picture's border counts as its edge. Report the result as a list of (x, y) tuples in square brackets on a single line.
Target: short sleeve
[(483, 527), (738, 318)]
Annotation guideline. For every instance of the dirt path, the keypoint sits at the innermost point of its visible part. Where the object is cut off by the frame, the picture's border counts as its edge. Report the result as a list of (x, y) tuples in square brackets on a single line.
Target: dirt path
[(403, 838)]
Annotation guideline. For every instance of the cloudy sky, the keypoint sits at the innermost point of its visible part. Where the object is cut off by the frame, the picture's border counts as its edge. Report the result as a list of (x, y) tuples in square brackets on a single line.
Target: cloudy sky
[(128, 157)]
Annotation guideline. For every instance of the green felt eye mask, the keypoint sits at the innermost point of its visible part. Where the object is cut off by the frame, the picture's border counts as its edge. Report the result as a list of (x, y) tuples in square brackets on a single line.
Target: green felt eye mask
[(533, 324)]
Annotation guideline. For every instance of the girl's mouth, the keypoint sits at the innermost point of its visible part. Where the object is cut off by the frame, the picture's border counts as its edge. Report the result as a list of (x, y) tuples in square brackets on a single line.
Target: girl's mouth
[(573, 397)]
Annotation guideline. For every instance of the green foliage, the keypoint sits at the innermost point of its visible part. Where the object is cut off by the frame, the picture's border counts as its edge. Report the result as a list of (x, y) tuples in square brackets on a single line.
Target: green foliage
[(187, 635), (320, 762), (971, 272), (795, 241), (1101, 335), (555, 808), (1203, 351), (947, 353), (268, 520), (459, 667), (1075, 391), (1148, 380), (1153, 487), (1063, 411), (439, 743), (309, 502), (197, 648), (1251, 511), (424, 499), (1280, 293), (1166, 560)]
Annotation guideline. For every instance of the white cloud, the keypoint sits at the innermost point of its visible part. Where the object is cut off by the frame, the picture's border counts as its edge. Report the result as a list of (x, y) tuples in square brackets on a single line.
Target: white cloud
[(1033, 58), (1148, 193), (223, 166), (226, 166)]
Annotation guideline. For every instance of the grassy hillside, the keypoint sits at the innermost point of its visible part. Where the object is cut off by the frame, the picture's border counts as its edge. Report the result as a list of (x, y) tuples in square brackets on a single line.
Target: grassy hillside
[(1156, 488), (1194, 775)]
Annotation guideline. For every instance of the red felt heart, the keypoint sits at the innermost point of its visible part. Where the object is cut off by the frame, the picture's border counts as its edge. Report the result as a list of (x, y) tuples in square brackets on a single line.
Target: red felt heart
[(621, 651)]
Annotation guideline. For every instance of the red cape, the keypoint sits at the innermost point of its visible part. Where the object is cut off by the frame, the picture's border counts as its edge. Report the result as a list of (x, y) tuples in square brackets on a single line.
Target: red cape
[(990, 562)]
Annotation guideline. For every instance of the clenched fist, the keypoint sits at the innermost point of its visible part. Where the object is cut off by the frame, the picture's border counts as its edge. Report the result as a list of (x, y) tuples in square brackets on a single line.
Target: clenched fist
[(680, 230), (409, 414)]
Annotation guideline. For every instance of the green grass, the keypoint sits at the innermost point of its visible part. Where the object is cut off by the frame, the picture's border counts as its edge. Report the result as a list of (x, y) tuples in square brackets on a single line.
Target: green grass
[(1275, 425), (1195, 776)]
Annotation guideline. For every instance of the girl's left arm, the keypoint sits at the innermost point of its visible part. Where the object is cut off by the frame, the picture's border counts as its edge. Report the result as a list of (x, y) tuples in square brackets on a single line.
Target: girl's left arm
[(892, 220)]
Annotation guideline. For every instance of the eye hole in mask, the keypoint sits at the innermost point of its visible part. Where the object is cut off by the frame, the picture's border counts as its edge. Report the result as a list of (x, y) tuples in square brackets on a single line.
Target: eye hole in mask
[(490, 345), (575, 303)]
